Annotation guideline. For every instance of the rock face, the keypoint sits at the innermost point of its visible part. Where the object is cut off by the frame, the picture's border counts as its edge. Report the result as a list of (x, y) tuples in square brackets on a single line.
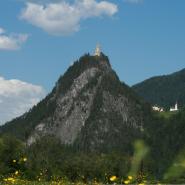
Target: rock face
[(88, 108), (71, 111)]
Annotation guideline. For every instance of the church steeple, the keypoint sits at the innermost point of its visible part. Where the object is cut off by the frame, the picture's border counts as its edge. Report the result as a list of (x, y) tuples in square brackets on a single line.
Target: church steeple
[(176, 106), (97, 50)]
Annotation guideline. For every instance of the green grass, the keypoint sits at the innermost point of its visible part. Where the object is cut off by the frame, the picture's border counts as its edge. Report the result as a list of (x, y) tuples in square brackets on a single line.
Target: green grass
[(168, 114), (47, 183), (24, 182)]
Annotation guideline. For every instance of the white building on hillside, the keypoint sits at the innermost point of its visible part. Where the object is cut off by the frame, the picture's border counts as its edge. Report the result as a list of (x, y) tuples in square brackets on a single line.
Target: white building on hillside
[(172, 109), (159, 109)]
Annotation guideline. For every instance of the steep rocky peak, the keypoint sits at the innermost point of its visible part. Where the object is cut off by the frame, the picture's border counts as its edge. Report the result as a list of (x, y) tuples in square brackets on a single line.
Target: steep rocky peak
[(86, 63), (89, 108), (73, 95)]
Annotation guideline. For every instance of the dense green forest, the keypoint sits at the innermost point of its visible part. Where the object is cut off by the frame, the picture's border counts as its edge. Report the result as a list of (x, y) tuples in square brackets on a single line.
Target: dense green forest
[(148, 153), (48, 160), (164, 90)]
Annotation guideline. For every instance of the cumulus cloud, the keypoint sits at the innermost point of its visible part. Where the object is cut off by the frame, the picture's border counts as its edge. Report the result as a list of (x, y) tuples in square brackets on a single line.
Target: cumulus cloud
[(17, 97), (133, 1), (12, 41), (1, 31), (63, 18)]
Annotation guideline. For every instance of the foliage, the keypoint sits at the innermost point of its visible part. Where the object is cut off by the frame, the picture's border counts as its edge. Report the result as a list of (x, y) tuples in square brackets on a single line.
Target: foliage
[(54, 160), (48, 160), (163, 90), (165, 136), (11, 150)]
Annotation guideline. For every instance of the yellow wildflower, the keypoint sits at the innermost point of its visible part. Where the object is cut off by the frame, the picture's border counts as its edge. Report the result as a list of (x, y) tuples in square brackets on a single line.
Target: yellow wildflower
[(130, 177), (126, 182), (10, 180), (24, 159), (16, 173), (14, 161), (113, 178)]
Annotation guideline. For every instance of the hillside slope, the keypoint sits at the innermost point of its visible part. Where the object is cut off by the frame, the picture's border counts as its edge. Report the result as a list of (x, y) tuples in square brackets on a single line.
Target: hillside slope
[(165, 136), (164, 90)]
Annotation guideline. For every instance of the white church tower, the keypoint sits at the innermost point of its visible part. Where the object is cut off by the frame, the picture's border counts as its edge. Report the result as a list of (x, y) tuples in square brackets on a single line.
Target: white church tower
[(97, 51), (175, 108)]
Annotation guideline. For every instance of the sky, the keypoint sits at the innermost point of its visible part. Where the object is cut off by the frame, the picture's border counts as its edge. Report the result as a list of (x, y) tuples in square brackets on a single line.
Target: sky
[(40, 39)]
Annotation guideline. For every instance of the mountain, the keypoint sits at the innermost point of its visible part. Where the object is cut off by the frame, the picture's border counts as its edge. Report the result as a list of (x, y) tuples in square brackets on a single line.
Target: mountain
[(87, 127), (88, 108), (164, 90)]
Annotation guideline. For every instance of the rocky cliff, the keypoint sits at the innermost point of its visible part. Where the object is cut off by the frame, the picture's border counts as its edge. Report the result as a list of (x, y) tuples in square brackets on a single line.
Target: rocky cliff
[(88, 108)]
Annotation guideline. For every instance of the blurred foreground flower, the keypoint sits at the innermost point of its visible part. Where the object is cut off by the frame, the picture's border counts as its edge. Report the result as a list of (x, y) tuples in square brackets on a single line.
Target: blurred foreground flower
[(113, 178), (9, 180), (126, 182), (140, 151), (24, 159)]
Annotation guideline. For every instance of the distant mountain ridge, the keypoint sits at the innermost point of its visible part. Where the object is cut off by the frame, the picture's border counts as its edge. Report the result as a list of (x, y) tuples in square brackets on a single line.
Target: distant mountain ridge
[(164, 90), (89, 108)]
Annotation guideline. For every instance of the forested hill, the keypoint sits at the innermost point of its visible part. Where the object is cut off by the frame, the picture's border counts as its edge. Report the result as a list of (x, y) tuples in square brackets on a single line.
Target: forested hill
[(163, 90), (88, 108)]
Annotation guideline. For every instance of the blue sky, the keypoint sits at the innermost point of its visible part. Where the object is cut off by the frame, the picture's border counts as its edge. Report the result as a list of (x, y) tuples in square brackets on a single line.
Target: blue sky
[(142, 38)]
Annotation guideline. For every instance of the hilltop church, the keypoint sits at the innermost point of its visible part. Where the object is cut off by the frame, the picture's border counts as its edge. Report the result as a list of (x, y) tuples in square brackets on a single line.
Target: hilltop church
[(173, 109)]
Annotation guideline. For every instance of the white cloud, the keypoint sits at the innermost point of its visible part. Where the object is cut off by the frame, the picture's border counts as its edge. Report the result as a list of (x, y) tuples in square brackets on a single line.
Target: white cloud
[(133, 1), (64, 18), (1, 31), (12, 41), (17, 97)]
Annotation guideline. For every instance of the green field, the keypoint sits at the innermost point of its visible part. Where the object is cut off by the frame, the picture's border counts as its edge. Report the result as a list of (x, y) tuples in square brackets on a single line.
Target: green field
[(17, 182), (167, 114)]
